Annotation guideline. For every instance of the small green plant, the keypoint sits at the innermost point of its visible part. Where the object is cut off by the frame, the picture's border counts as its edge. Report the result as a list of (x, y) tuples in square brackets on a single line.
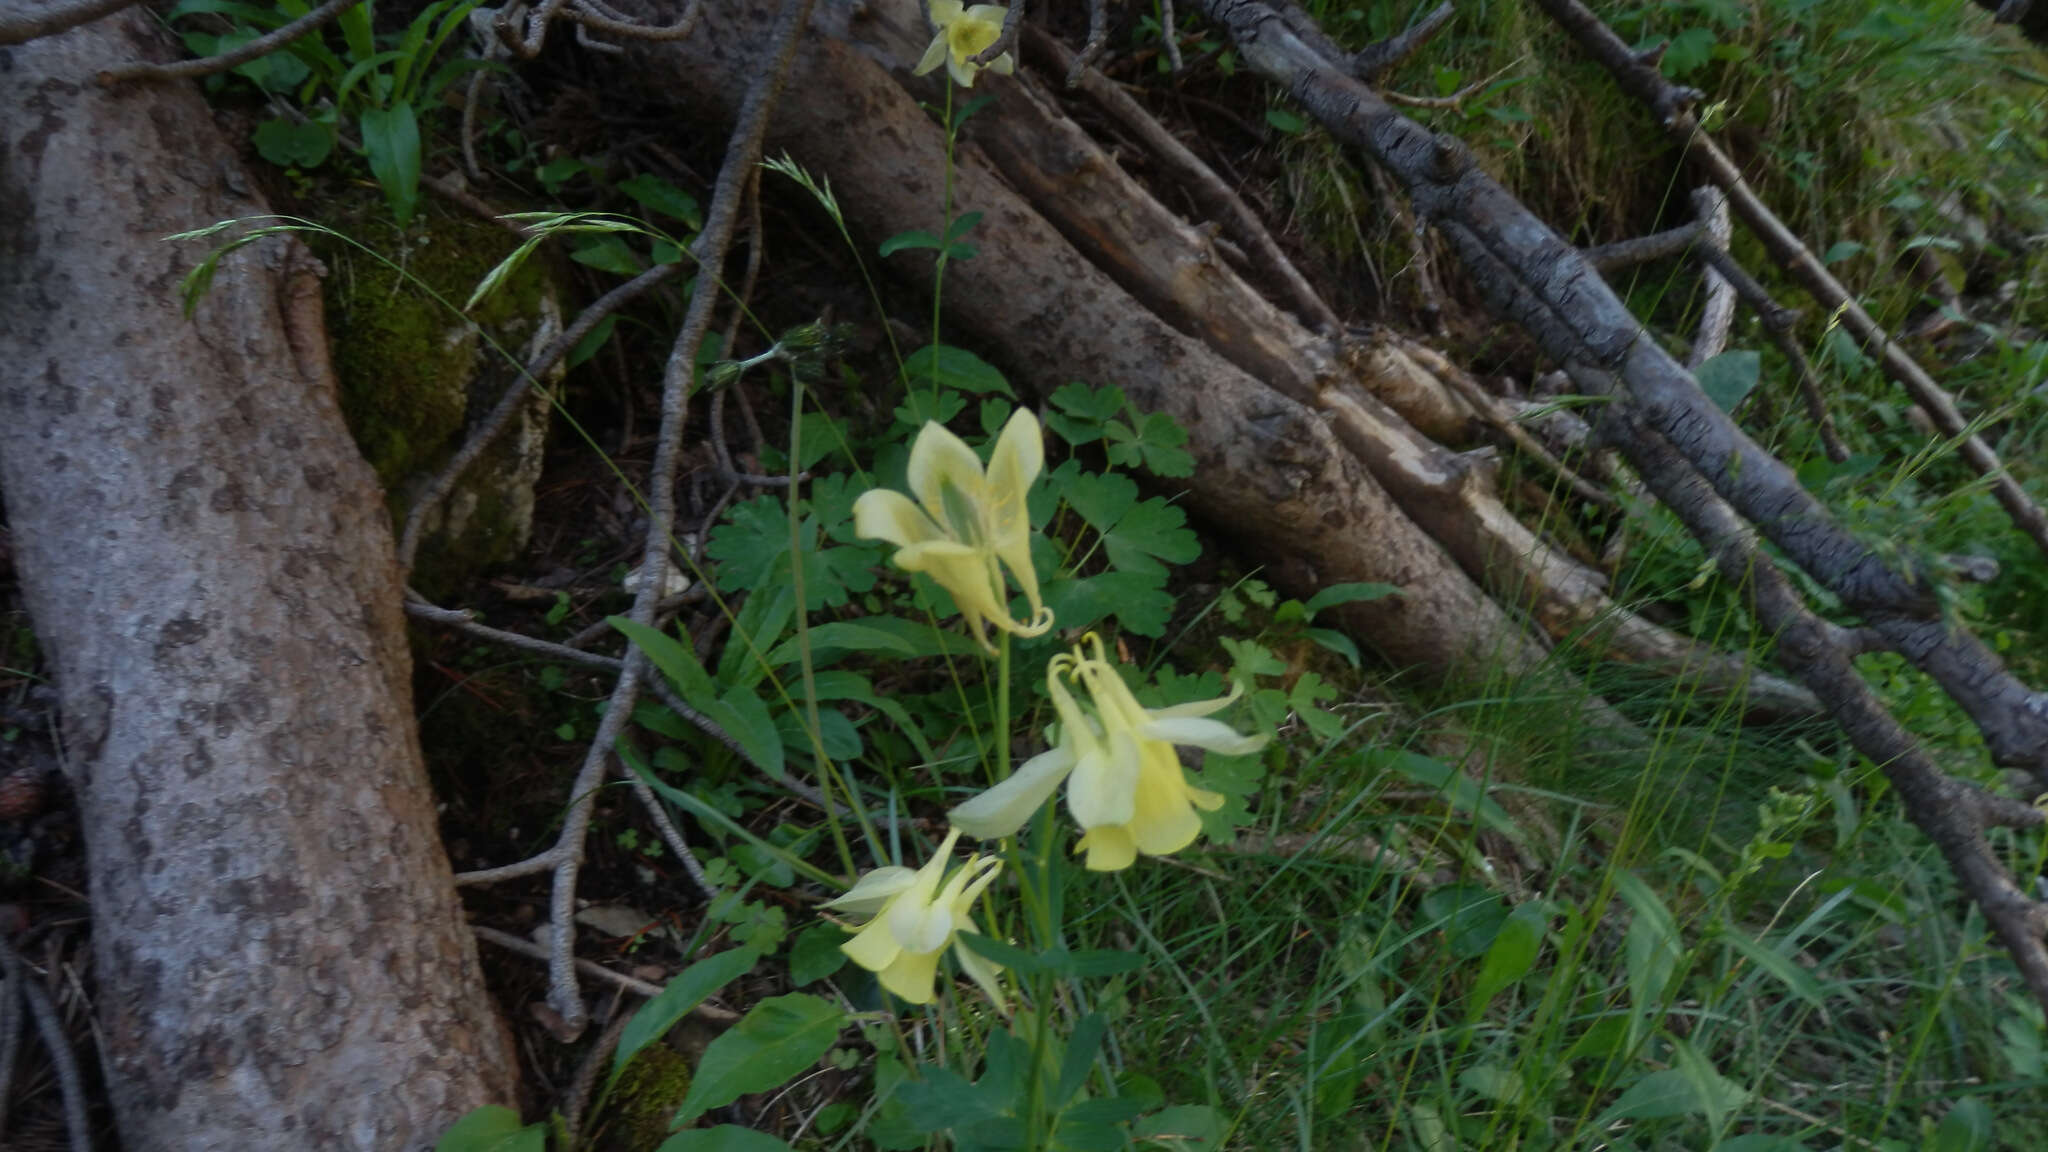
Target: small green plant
[(379, 85)]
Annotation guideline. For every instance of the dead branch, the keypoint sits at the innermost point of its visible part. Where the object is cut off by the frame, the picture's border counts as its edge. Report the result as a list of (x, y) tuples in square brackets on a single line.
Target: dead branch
[(24, 20), (1951, 813), (566, 857), (1718, 315), (1216, 196), (50, 1028), (588, 15), (1375, 59), (261, 46), (636, 986), (1672, 107), (1607, 259)]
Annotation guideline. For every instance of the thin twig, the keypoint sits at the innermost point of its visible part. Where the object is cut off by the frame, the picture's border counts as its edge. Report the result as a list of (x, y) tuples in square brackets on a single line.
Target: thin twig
[(1455, 102), (50, 1027), (1098, 37), (1166, 33), (578, 1097), (261, 46), (1809, 391), (566, 858), (638, 987), (21, 23), (1610, 258), (1013, 22), (464, 621), (1374, 59)]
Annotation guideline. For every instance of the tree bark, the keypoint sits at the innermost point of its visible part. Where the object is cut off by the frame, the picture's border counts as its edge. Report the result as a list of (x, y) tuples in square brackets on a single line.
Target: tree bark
[(282, 961)]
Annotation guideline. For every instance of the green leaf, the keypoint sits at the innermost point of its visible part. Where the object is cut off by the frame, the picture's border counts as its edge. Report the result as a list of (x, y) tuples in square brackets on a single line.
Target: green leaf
[(907, 241), (1472, 917), (1157, 444), (678, 998), (676, 660), (1080, 414), (391, 138), (1718, 1095), (724, 1138), (1510, 957), (815, 954), (1966, 1128), (1138, 600), (493, 1128), (1337, 642), (1351, 593), (1655, 1097), (657, 195), (944, 1099), (285, 142), (962, 225), (592, 341), (781, 1038), (952, 367), (607, 254), (1492, 1082), (1285, 121), (1188, 1127), (1729, 377), (1078, 1058)]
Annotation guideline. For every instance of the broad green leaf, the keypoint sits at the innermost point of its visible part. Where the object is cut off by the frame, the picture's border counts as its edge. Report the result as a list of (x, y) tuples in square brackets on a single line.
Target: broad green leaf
[(1080, 414), (1656, 1096), (1351, 593), (607, 254), (1729, 377), (815, 953), (678, 998), (1510, 957), (286, 142), (1966, 1128), (1188, 1127), (676, 660), (1460, 791), (1492, 1082), (1157, 443), (724, 1138), (493, 1128), (1471, 917), (1718, 1095), (1138, 600), (391, 139), (658, 195), (781, 1038), (1079, 1057), (1650, 951), (1285, 121), (906, 241), (942, 1098), (953, 367)]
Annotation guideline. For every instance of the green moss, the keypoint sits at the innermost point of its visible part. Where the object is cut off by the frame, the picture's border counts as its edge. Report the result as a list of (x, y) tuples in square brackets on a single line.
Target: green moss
[(637, 1114), (406, 361)]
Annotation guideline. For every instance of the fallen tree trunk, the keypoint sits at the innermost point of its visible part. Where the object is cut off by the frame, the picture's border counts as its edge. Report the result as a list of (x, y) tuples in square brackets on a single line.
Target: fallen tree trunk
[(1271, 475), (281, 958)]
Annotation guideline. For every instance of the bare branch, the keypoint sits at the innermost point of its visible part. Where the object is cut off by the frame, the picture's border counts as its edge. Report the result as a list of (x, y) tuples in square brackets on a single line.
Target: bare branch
[(1013, 23), (1672, 106), (1717, 317), (27, 20), (638, 987), (1610, 258), (261, 46), (50, 1027), (1374, 59), (1098, 35)]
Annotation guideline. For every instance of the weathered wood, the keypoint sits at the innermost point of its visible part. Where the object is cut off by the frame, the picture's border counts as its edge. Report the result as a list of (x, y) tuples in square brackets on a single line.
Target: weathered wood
[(1270, 474), (281, 959)]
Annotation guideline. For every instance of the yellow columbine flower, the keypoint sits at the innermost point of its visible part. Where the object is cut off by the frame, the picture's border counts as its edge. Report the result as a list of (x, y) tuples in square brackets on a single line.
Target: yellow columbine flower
[(967, 524), (1128, 791), (963, 34), (915, 916)]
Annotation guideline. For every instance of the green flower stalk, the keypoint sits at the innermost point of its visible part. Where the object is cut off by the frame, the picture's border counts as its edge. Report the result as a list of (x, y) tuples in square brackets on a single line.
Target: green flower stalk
[(967, 524), (1127, 791), (915, 917), (962, 34)]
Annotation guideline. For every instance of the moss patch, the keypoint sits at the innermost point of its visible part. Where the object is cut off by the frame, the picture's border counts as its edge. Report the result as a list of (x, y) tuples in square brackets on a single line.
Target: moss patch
[(645, 1099)]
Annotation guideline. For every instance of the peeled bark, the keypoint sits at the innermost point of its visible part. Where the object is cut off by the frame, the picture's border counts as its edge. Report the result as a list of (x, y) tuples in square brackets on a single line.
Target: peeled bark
[(281, 958)]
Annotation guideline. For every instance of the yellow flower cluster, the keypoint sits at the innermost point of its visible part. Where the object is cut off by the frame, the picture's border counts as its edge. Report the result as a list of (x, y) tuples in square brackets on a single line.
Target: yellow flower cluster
[(1125, 785)]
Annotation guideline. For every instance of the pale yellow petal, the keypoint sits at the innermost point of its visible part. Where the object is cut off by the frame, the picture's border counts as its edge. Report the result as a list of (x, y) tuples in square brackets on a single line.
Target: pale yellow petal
[(1105, 783), (944, 12), (1214, 735), (989, 14), (874, 890), (873, 947), (1008, 806), (982, 972), (1003, 65), (933, 56), (939, 459), (1165, 821), (1109, 848), (910, 977), (884, 515)]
